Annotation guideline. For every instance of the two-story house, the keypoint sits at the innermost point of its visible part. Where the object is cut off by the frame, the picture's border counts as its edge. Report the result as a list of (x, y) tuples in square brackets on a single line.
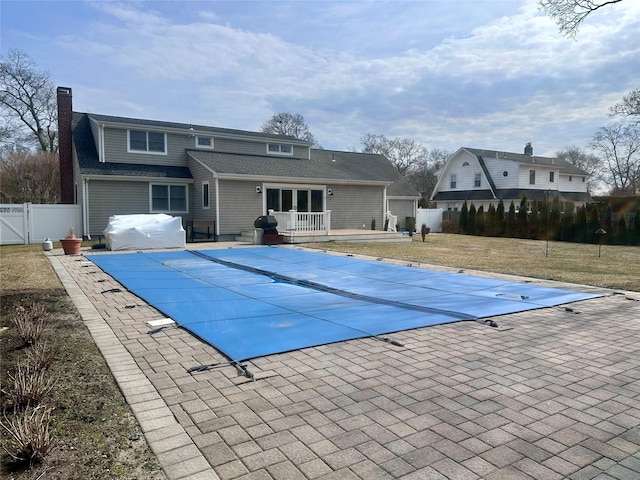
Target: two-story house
[(118, 166), (483, 177)]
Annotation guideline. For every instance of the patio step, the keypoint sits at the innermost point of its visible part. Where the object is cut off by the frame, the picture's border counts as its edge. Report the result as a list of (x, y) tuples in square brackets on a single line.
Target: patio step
[(246, 236), (337, 236)]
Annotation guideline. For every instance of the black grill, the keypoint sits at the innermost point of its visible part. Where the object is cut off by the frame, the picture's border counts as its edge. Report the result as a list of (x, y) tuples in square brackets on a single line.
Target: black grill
[(268, 223)]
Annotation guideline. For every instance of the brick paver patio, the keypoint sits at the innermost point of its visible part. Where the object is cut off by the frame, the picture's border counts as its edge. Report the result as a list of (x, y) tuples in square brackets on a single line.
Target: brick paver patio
[(555, 396)]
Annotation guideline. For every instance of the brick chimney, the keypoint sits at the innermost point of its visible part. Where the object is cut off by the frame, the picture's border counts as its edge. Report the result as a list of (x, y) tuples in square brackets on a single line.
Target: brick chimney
[(65, 145), (528, 149)]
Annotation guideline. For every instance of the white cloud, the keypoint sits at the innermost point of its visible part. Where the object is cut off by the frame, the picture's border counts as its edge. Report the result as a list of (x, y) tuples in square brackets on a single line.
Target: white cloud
[(417, 69)]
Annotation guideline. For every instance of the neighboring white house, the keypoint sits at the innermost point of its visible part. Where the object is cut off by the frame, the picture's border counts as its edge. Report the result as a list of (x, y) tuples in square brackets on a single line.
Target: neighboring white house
[(222, 177), (483, 177)]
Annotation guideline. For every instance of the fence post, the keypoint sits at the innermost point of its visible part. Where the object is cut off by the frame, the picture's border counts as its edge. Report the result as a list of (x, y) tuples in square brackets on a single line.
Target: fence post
[(293, 214), (28, 222)]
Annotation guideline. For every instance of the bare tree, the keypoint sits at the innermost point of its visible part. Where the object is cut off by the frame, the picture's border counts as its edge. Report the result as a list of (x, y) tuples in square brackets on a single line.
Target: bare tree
[(629, 106), (30, 177), (588, 162), (619, 145), (290, 124), (569, 14), (423, 176), (27, 100), (406, 154)]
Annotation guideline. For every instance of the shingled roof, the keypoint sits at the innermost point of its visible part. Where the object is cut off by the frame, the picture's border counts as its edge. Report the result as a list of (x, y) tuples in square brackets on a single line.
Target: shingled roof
[(90, 164), (322, 165)]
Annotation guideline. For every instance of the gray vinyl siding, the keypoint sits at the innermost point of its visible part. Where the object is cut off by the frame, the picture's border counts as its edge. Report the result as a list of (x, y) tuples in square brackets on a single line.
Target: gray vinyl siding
[(108, 198), (201, 174), (115, 140), (403, 209), (115, 198), (253, 148), (116, 148), (355, 206), (240, 205)]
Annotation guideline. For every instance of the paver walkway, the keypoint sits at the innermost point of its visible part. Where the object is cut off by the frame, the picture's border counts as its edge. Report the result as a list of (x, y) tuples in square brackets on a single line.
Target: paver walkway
[(555, 396)]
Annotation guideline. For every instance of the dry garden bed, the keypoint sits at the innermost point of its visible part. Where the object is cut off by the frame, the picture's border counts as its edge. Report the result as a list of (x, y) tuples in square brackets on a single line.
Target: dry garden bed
[(63, 416)]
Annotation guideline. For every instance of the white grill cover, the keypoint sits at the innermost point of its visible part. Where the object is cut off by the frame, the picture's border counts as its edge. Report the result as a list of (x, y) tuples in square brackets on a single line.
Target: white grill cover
[(128, 232)]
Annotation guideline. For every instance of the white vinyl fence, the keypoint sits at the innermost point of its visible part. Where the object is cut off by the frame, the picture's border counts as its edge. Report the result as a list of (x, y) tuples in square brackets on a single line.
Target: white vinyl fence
[(431, 217), (21, 224)]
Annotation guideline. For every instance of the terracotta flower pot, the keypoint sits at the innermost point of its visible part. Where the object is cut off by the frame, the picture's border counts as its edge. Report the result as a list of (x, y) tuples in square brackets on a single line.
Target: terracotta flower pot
[(71, 246)]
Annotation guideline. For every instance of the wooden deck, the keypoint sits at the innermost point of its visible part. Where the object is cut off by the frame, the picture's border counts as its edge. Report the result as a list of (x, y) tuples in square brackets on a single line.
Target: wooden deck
[(346, 235)]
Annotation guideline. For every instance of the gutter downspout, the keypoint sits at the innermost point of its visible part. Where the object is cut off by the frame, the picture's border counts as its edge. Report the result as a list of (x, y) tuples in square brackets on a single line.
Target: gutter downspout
[(101, 141), (85, 208), (217, 206)]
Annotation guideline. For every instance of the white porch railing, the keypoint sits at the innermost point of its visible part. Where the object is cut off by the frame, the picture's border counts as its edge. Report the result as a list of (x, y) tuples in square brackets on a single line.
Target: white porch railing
[(303, 222), (392, 225)]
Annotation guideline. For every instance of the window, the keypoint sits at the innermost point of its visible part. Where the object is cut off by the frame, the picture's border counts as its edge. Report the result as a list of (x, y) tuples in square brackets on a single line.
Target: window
[(551, 176), (149, 142), (205, 195), (454, 180), (204, 142), (532, 177), (168, 198), (280, 148), (570, 178), (476, 182), (307, 200), (465, 164)]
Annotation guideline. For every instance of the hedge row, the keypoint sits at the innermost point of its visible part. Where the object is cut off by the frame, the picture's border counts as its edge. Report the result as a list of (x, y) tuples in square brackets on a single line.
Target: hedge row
[(554, 220)]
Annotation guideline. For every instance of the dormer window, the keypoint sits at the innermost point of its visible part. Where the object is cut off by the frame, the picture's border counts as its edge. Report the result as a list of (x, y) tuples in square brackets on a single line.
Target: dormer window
[(465, 164), (204, 142), (142, 141), (279, 148)]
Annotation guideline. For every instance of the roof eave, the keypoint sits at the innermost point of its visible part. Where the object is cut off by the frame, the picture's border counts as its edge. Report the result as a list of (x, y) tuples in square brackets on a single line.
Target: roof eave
[(273, 178), (134, 178)]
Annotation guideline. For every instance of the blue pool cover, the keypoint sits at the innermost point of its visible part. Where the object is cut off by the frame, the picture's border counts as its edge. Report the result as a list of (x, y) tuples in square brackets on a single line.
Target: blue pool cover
[(251, 302)]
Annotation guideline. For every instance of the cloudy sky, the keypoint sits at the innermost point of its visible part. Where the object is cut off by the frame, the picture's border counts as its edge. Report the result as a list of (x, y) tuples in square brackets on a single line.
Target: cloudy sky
[(489, 74)]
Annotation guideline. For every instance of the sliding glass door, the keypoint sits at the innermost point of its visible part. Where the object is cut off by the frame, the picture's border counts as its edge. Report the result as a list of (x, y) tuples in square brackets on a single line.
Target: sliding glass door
[(300, 199)]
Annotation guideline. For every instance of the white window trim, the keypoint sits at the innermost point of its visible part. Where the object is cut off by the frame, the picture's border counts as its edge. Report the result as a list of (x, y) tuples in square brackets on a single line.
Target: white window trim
[(209, 195), (145, 152), (477, 177), (151, 185), (204, 146), (279, 152)]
